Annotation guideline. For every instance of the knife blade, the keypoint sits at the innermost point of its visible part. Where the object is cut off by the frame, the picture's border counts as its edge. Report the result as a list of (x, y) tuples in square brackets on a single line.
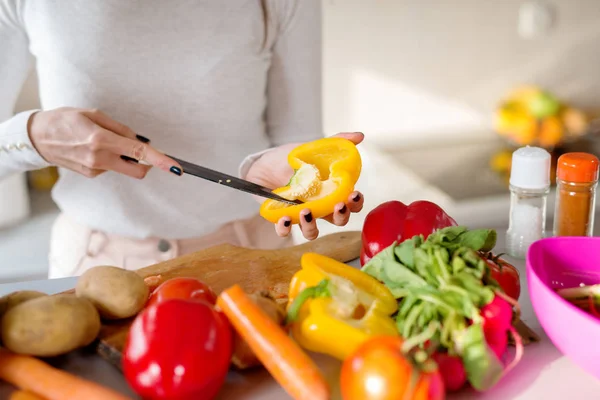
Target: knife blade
[(230, 181)]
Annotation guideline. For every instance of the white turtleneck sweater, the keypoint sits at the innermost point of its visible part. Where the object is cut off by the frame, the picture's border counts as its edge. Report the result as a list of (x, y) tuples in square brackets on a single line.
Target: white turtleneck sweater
[(191, 75)]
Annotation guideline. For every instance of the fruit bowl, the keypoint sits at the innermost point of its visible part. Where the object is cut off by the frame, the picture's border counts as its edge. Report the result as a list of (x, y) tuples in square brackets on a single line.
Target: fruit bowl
[(562, 262), (532, 116)]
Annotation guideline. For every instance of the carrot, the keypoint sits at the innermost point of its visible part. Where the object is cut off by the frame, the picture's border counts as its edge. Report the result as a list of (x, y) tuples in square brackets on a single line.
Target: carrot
[(282, 357), (24, 395), (33, 375)]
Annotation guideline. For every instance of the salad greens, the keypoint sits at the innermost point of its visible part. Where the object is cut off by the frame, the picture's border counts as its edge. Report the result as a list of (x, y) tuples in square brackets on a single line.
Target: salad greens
[(442, 284)]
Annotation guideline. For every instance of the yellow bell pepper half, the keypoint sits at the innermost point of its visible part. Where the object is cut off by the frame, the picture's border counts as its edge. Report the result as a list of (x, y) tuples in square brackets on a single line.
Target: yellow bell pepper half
[(336, 164), (333, 308)]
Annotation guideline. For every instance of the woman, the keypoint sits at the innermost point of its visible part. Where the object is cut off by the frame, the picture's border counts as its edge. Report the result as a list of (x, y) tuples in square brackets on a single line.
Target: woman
[(124, 83)]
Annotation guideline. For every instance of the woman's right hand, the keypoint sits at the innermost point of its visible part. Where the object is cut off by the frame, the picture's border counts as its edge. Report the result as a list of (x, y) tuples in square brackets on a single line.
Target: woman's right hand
[(91, 143)]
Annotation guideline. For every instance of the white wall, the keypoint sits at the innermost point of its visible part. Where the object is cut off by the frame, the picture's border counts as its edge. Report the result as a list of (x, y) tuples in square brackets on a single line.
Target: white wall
[(408, 71), (411, 71)]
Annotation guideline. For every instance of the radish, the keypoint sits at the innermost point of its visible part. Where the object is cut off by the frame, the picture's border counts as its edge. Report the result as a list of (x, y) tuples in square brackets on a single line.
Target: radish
[(498, 342), (452, 370), (497, 320), (497, 315)]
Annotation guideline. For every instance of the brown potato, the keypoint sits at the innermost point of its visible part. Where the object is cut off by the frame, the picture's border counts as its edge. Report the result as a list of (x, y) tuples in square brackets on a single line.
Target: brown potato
[(15, 298), (116, 292), (50, 325), (243, 357)]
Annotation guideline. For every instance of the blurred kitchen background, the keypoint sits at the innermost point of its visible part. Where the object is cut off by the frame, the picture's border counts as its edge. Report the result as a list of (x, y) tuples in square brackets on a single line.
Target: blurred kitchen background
[(444, 91)]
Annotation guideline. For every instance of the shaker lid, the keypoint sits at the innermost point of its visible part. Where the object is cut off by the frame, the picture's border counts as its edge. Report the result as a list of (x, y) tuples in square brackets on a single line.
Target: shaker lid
[(577, 167), (530, 168)]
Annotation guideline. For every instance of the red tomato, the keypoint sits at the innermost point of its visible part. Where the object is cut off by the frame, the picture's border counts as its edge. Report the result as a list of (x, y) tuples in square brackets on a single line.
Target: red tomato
[(182, 288), (178, 350), (506, 275), (378, 370)]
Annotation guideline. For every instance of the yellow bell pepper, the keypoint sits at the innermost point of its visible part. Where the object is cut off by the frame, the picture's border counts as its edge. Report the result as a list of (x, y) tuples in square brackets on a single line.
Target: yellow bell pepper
[(333, 307), (336, 165)]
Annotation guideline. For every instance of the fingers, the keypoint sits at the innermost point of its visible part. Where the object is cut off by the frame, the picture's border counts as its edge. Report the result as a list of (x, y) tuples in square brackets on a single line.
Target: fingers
[(308, 225), (136, 149), (283, 227), (341, 212), (134, 145), (145, 152), (354, 137), (340, 216), (130, 167), (106, 122), (105, 161), (355, 202), (88, 172)]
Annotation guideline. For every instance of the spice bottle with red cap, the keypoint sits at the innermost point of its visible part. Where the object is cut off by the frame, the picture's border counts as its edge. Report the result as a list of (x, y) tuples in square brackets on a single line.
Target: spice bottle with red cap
[(576, 182)]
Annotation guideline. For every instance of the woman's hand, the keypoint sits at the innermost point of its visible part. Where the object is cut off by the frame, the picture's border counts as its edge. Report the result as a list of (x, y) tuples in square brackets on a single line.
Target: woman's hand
[(91, 143), (272, 170)]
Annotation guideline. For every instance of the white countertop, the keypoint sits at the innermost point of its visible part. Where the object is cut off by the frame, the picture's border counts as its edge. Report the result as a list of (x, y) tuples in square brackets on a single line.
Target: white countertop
[(543, 373)]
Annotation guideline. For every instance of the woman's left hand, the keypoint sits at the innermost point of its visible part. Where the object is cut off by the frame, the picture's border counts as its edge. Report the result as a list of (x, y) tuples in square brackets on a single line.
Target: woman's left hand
[(272, 170)]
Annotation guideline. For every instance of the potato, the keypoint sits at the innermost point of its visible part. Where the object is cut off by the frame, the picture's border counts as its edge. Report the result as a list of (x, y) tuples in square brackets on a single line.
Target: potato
[(15, 298), (243, 357), (50, 325), (116, 293)]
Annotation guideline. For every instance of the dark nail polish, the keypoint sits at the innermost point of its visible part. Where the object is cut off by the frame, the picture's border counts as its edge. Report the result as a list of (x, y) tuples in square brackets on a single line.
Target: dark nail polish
[(343, 209), (175, 170), (308, 217), (287, 223), (356, 198), (125, 158), (142, 138)]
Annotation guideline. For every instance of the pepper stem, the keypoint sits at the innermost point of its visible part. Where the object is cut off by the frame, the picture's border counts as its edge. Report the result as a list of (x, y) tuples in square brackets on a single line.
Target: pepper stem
[(321, 290)]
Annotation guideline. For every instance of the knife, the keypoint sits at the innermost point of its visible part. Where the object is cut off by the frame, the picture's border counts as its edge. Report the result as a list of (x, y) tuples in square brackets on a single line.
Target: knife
[(230, 181)]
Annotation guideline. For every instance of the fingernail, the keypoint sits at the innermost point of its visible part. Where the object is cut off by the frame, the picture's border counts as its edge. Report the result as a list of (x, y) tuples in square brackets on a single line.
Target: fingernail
[(142, 138), (287, 223), (343, 209), (125, 158), (308, 217), (175, 170), (356, 198)]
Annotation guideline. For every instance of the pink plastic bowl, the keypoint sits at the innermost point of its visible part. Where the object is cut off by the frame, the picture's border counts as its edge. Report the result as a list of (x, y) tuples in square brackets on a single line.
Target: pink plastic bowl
[(562, 262)]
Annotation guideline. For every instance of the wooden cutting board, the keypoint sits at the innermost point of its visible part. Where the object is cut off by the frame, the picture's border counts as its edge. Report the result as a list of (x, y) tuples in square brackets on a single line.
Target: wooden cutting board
[(225, 265)]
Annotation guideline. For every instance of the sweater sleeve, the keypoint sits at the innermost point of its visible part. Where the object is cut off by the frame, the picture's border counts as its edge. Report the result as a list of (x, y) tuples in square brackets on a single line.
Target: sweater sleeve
[(294, 100), (17, 154)]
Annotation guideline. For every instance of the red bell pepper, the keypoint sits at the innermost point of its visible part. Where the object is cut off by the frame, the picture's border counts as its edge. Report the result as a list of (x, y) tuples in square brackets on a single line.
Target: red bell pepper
[(394, 221), (179, 350)]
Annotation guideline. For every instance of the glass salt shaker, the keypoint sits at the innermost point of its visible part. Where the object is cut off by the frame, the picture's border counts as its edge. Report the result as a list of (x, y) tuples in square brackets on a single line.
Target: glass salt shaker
[(529, 187)]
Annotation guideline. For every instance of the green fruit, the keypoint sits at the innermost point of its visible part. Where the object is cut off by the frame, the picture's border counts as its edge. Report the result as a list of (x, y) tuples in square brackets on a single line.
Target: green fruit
[(544, 105)]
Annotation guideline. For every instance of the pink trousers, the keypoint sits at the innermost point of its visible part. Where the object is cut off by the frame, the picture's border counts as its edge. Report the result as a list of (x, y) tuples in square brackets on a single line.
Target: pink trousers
[(75, 248)]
